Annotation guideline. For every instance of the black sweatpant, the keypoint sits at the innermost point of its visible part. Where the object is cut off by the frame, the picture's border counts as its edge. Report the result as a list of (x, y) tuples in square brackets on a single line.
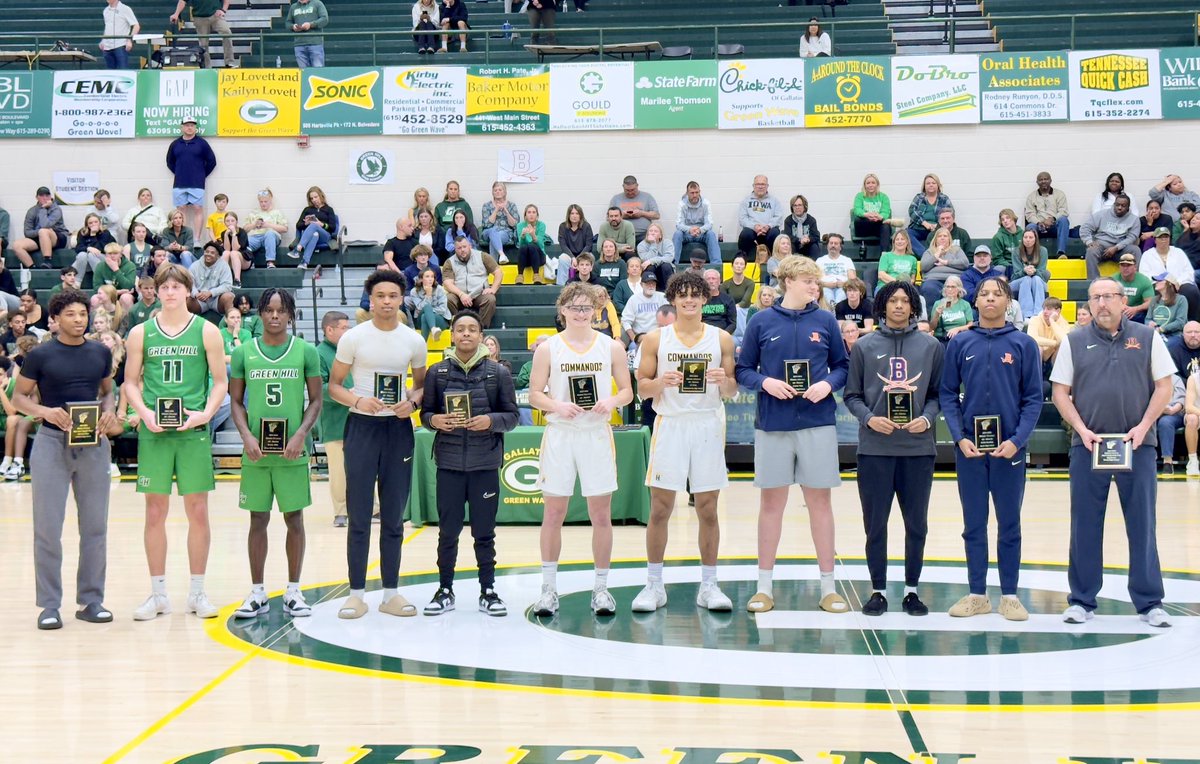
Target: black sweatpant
[(455, 490), (909, 479), (531, 255), (378, 449)]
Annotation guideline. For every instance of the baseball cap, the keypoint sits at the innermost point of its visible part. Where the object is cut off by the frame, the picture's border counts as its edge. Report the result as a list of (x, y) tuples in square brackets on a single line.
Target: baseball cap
[(698, 253), (187, 118), (983, 249), (1161, 231), (43, 191), (1128, 258), (1167, 277), (649, 276)]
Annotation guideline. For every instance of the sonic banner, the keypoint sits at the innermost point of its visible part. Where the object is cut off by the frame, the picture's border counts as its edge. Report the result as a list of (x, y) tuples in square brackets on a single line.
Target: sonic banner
[(341, 101)]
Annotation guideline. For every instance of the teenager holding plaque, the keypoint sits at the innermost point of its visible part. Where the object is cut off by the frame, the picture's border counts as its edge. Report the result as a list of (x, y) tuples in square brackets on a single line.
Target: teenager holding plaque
[(892, 390), (469, 403), (272, 374), (66, 383), (1112, 379), (380, 354), (793, 357), (175, 380), (687, 368), (991, 395), (572, 381)]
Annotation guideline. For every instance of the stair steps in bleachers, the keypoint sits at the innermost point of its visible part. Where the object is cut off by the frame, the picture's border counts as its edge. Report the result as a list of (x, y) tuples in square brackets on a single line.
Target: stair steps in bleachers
[(926, 27)]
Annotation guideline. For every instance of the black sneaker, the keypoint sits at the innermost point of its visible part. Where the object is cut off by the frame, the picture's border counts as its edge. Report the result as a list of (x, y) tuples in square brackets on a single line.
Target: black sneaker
[(877, 605), (913, 605), (1168, 468), (442, 602), (490, 603)]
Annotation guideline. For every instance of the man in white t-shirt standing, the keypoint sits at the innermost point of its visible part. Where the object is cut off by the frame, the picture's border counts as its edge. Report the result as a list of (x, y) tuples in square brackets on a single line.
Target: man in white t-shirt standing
[(378, 445), (120, 25), (572, 381)]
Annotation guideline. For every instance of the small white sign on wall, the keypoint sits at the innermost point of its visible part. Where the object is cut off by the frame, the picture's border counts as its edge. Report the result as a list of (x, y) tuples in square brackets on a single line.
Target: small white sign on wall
[(521, 166)]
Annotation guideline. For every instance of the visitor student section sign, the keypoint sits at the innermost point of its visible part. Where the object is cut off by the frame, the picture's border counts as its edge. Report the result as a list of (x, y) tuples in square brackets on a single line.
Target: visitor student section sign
[(747, 94)]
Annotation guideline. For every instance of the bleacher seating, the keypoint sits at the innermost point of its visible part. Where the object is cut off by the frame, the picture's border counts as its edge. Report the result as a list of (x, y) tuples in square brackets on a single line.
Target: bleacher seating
[(1146, 28)]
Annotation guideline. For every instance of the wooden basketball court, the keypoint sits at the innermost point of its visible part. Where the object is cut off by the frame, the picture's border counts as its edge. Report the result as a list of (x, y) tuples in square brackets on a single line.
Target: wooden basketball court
[(679, 686)]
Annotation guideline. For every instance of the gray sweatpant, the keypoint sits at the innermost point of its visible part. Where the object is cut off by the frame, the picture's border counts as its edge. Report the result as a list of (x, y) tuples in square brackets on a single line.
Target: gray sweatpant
[(53, 469)]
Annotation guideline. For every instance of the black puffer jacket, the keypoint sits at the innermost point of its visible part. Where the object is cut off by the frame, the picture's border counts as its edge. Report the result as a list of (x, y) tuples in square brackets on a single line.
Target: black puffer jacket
[(461, 449)]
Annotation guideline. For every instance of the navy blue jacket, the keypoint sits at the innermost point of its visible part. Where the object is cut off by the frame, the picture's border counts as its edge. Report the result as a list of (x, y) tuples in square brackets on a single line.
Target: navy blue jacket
[(191, 162), (777, 334), (1000, 374)]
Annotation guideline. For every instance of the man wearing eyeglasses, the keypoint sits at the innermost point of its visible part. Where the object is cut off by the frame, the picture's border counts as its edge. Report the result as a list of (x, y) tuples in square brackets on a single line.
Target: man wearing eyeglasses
[(1113, 377)]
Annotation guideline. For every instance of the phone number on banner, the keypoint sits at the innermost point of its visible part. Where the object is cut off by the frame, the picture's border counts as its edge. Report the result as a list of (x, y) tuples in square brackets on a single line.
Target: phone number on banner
[(94, 112)]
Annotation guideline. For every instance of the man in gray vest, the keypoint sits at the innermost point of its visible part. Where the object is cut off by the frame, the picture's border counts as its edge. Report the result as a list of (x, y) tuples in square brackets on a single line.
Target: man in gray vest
[(1114, 378), (472, 279)]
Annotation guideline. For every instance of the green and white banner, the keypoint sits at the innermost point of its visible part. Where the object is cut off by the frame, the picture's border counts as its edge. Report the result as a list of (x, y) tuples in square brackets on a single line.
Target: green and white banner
[(25, 104), (425, 100), (1114, 84), (341, 101), (165, 97), (935, 90), (94, 104), (1179, 82), (508, 99), (761, 93), (848, 92), (675, 95), (1023, 87), (591, 96)]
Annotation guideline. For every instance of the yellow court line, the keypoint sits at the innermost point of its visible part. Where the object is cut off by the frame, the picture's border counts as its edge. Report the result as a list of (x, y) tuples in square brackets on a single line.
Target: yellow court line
[(196, 697)]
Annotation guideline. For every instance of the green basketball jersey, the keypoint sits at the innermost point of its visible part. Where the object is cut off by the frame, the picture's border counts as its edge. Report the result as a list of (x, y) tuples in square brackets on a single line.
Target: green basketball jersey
[(275, 386), (175, 367)]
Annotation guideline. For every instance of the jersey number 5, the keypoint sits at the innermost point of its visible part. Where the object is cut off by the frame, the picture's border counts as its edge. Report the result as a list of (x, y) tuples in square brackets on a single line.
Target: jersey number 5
[(172, 372), (274, 394)]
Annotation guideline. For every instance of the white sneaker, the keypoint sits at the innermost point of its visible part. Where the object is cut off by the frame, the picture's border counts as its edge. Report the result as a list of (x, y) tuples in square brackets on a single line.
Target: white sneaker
[(711, 597), (547, 604), (603, 602), (199, 604), (503, 259), (650, 598), (294, 604), (1193, 467), (154, 606), (251, 607), (1077, 614), (114, 470), (14, 471), (1157, 617)]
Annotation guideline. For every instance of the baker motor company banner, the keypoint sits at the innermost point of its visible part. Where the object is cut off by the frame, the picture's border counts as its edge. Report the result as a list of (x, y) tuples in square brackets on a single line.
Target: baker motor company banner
[(508, 99)]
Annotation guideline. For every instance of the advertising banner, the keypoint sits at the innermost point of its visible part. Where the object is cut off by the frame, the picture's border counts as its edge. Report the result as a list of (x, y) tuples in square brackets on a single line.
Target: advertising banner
[(508, 99), (675, 95), (1023, 87), (591, 96), (848, 92), (1179, 77), (1114, 84), (94, 104), (761, 93), (165, 97), (425, 100), (258, 102), (341, 101), (935, 90), (25, 104)]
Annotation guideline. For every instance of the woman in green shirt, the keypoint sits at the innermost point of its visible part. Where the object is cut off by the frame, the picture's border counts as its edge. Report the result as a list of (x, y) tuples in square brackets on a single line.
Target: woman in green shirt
[(531, 245), (452, 202), (138, 250), (738, 287), (233, 334), (1168, 309), (899, 263), (952, 314), (872, 210)]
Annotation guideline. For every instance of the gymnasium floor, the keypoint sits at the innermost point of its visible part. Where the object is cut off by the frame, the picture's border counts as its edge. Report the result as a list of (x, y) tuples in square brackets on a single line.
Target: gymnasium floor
[(676, 687)]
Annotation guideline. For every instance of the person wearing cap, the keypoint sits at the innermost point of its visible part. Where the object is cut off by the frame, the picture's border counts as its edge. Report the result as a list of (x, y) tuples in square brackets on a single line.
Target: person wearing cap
[(1138, 288), (1167, 311), (1165, 258), (981, 269), (191, 160), (209, 16), (639, 315), (1108, 234), (697, 259), (44, 231), (120, 26), (1046, 212)]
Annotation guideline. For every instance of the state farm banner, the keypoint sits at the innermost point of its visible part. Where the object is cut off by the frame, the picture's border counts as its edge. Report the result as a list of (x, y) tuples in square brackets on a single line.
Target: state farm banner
[(94, 104), (425, 100), (1114, 84), (591, 96), (760, 93)]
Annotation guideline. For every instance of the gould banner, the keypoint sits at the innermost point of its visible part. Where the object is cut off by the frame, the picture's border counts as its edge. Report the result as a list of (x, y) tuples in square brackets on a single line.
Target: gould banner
[(591, 96)]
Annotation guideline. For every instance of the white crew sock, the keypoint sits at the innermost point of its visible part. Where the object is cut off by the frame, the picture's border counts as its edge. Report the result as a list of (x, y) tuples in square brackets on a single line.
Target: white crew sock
[(293, 586), (1008, 597), (5, 464), (549, 573), (910, 590), (360, 593), (259, 591), (827, 586), (158, 585), (764, 582), (388, 594), (601, 579), (654, 572), (708, 574), (19, 460), (197, 584)]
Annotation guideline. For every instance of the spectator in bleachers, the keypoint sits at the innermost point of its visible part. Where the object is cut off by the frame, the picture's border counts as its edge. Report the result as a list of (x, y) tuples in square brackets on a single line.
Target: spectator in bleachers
[(781, 248), (307, 18), (923, 212), (720, 310), (157, 259), (454, 16), (521, 382), (759, 216), (233, 334), (429, 233), (585, 266), (815, 42), (981, 269), (67, 278), (1171, 420), (500, 220), (472, 279), (1191, 423), (215, 225), (420, 202), (640, 313), (952, 314), (871, 212), (427, 303), (107, 311), (1166, 259), (9, 302), (619, 231), (574, 239), (1006, 242), (1186, 350), (492, 346), (397, 251), (265, 227), (148, 214), (1152, 221), (251, 320), (1138, 288), (426, 19), (314, 227), (657, 254), (16, 426), (118, 272), (235, 248), (5, 223), (1108, 234), (1047, 214), (946, 219), (178, 239), (943, 259), (694, 224), (1186, 211), (541, 15), (209, 17), (1168, 309), (191, 160), (531, 245), (1049, 329), (836, 269), (120, 26), (630, 285), (737, 286), (451, 203), (1171, 192), (212, 282), (766, 298), (898, 263), (802, 229), (139, 249), (1014, 315), (101, 205), (44, 230), (422, 258), (35, 316), (1114, 186), (857, 306), (1031, 273), (850, 334), (145, 308), (91, 241), (1083, 314), (610, 269), (1189, 242), (636, 206), (460, 225)]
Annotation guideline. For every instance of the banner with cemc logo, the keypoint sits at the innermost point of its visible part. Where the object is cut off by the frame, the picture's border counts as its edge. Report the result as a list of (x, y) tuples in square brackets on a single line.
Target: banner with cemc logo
[(258, 102), (93, 104)]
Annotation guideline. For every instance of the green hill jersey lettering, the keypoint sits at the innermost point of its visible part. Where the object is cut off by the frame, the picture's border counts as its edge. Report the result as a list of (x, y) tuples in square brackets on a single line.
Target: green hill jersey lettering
[(175, 367), (275, 386)]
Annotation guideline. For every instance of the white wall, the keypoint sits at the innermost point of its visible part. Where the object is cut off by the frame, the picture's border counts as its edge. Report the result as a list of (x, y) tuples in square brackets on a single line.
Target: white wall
[(983, 168)]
